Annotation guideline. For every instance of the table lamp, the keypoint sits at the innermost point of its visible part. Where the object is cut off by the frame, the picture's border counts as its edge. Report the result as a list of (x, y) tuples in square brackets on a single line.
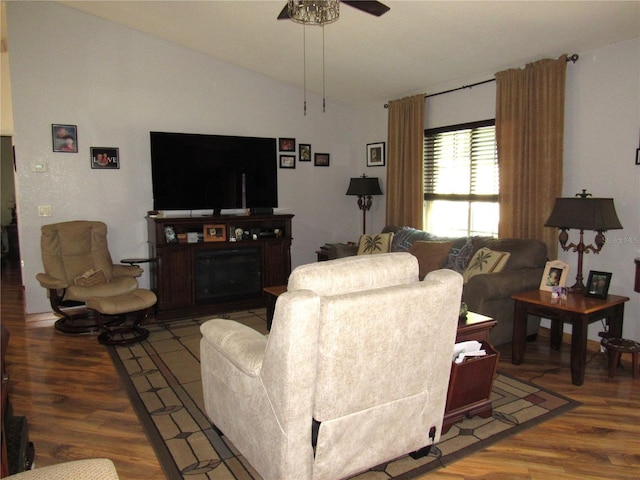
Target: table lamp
[(364, 187), (583, 213)]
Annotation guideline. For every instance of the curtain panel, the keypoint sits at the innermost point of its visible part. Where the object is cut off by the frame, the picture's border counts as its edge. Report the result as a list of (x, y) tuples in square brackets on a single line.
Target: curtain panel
[(530, 138), (405, 189)]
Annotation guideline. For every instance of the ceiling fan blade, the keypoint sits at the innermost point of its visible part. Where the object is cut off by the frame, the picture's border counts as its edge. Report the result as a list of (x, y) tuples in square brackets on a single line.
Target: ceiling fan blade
[(284, 14), (374, 8)]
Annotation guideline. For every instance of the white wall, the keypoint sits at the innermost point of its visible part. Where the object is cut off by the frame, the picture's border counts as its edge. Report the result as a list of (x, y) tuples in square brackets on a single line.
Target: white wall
[(116, 85), (602, 120)]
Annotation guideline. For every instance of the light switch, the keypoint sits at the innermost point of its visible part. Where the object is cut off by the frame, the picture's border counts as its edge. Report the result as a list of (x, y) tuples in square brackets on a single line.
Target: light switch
[(44, 210), (38, 167)]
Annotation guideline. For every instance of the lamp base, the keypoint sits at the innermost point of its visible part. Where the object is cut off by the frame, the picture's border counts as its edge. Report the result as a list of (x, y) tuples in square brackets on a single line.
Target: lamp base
[(577, 287)]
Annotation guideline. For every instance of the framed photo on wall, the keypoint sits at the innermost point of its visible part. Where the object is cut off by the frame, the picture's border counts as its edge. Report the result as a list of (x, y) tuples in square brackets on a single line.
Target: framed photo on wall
[(304, 150), (287, 144), (321, 159), (376, 154), (105, 158), (598, 284), (65, 138), (555, 275), (287, 161)]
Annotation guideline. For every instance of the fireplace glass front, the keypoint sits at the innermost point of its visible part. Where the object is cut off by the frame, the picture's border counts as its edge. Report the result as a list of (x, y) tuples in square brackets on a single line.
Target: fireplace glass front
[(228, 274)]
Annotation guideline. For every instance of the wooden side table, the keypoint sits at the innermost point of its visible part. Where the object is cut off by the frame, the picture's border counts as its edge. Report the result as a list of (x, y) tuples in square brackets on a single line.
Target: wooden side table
[(578, 310), (470, 383)]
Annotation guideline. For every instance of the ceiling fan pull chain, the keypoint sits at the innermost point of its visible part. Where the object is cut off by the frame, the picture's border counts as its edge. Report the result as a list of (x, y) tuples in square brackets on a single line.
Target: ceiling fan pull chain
[(323, 96), (304, 66)]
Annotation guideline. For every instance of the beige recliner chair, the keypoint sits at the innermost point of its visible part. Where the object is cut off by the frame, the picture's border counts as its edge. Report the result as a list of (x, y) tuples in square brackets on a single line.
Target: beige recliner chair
[(354, 372), (78, 267)]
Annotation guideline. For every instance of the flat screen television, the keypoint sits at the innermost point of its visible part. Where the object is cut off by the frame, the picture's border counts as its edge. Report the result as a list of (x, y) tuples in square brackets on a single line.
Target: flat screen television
[(201, 172)]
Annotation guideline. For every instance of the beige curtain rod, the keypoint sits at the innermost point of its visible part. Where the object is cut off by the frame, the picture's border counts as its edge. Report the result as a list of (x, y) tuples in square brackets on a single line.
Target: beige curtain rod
[(573, 59)]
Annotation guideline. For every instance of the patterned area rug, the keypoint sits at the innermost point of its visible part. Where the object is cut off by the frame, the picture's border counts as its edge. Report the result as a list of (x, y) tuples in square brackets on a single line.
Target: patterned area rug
[(163, 379)]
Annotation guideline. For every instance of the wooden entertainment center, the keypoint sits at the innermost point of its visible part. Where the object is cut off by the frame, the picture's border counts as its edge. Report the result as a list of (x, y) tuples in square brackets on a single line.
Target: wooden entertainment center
[(206, 265)]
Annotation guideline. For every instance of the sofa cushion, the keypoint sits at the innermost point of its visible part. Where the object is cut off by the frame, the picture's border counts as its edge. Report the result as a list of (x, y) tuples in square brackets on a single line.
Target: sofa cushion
[(525, 253), (377, 243), (486, 261), (460, 255), (90, 278), (404, 237), (431, 255)]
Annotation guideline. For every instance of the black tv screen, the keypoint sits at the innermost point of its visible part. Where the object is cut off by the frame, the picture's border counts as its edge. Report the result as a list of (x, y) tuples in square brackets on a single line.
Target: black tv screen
[(201, 172)]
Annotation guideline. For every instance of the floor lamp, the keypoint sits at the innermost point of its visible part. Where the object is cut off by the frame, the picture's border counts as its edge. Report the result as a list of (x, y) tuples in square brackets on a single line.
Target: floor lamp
[(364, 187), (583, 213)]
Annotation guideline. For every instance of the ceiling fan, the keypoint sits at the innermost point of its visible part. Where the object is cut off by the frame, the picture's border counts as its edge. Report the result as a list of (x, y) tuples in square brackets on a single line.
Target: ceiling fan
[(372, 7)]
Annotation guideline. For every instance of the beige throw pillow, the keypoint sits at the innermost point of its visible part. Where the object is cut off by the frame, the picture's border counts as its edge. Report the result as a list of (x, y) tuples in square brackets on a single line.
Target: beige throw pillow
[(486, 261), (378, 243), (431, 255)]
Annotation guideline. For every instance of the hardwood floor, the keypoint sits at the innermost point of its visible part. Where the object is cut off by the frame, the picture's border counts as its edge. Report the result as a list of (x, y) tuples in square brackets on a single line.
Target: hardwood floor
[(76, 407)]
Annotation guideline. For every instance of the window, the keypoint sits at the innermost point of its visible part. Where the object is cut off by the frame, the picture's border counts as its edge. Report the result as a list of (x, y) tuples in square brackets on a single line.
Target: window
[(461, 180)]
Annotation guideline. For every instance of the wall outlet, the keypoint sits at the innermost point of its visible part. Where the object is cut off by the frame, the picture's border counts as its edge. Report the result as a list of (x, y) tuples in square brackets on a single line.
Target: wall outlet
[(44, 210)]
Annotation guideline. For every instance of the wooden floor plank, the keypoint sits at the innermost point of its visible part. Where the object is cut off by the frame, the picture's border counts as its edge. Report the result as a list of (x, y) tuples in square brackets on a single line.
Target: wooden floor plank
[(76, 406)]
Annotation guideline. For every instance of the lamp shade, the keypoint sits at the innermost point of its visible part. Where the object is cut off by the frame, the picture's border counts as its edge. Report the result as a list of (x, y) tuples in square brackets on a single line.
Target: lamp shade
[(597, 214), (364, 186)]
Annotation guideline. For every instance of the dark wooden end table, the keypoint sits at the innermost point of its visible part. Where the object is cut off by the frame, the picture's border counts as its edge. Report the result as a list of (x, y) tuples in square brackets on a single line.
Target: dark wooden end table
[(578, 310)]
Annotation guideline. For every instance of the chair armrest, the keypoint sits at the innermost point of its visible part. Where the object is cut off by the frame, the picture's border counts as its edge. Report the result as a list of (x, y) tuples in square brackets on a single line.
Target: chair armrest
[(49, 282), (126, 270), (491, 286), (243, 346)]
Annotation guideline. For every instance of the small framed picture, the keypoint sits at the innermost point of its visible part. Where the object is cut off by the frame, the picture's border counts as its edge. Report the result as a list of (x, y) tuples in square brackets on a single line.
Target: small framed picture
[(376, 154), (598, 284), (287, 144), (65, 138), (170, 234), (215, 233), (304, 151), (321, 160), (287, 161), (555, 275), (105, 158)]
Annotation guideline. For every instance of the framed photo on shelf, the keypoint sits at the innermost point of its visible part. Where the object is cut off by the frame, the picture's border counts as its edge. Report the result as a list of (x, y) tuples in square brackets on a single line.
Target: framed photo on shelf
[(287, 161), (215, 233), (555, 275), (376, 154), (287, 144), (598, 284), (65, 138), (105, 158), (304, 151), (321, 159)]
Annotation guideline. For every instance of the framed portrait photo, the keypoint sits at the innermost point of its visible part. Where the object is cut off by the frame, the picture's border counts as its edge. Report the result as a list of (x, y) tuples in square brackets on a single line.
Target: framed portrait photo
[(304, 152), (598, 284), (65, 138), (287, 144), (321, 159), (376, 154), (287, 161), (215, 233), (555, 275), (105, 158)]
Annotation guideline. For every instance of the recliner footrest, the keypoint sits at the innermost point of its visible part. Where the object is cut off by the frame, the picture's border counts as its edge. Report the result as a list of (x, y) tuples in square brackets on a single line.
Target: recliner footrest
[(137, 301)]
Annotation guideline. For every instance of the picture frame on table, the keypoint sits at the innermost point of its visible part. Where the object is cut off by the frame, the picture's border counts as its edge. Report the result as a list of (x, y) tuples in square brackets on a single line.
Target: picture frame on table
[(287, 144), (287, 161), (598, 284), (64, 138), (215, 232), (105, 158), (376, 154), (304, 152), (555, 275)]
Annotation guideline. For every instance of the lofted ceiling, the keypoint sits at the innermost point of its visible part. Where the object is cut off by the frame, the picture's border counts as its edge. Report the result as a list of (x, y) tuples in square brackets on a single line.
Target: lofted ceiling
[(416, 47)]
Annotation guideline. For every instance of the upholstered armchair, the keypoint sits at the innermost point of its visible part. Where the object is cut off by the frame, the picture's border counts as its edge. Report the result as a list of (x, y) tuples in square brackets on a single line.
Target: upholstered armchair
[(78, 266), (354, 372)]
